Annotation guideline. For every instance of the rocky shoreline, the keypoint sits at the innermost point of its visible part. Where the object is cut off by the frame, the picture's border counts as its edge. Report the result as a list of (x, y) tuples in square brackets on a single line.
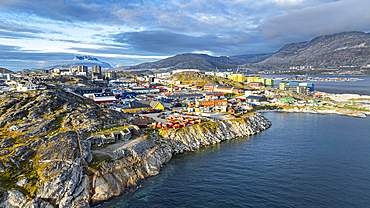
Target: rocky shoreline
[(327, 111), (65, 182)]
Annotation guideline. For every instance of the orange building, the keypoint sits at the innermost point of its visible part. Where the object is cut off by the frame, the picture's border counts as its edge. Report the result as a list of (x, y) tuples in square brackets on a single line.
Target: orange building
[(212, 103)]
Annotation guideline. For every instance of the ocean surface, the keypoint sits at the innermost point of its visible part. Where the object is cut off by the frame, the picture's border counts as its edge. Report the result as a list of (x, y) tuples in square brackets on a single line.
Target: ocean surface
[(302, 160), (361, 87)]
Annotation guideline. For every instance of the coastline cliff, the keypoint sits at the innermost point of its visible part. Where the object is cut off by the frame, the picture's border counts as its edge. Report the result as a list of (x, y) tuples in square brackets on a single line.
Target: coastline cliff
[(145, 156), (64, 179)]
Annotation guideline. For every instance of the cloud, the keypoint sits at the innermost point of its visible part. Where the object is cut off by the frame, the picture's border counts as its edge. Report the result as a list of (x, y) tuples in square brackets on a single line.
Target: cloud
[(14, 58), (18, 28), (166, 42), (15, 35), (284, 3), (137, 30), (323, 19)]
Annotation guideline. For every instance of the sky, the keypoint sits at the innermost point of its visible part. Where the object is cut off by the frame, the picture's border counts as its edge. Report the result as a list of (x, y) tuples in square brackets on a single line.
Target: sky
[(43, 33)]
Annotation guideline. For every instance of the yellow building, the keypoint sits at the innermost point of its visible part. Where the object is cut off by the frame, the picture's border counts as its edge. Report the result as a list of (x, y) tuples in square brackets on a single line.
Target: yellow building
[(138, 106), (237, 77), (253, 79)]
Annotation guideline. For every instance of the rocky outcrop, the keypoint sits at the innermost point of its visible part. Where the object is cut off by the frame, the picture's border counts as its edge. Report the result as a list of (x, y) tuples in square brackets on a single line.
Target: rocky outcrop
[(144, 157), (64, 181), (196, 136)]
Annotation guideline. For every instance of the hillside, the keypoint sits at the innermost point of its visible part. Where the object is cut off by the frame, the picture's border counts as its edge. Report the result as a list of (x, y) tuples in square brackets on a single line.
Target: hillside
[(251, 58), (39, 149), (348, 48), (199, 79), (6, 71), (191, 61)]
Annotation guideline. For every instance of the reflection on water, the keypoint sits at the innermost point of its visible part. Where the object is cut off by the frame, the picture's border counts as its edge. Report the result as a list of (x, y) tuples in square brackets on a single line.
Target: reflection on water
[(303, 160)]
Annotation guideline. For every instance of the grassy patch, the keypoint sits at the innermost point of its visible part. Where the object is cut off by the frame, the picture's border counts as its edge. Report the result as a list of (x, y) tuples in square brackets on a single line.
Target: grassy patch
[(26, 169), (99, 160)]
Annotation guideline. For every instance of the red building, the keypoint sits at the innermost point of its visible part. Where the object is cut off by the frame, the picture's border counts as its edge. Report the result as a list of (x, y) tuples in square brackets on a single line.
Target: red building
[(209, 88), (255, 84)]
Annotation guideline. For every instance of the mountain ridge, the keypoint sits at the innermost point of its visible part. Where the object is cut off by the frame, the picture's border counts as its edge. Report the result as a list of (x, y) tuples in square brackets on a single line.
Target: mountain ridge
[(346, 48)]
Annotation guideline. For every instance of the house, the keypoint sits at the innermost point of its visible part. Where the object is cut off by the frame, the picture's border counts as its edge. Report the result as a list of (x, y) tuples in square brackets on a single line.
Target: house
[(25, 86), (184, 96), (83, 91), (252, 92), (228, 89), (255, 84), (104, 98), (211, 103), (251, 99), (144, 90), (137, 106), (287, 100), (209, 87), (155, 85)]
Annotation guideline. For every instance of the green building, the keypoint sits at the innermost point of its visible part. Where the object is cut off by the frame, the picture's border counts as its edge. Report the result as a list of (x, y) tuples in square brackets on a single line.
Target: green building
[(269, 82), (287, 100), (282, 85)]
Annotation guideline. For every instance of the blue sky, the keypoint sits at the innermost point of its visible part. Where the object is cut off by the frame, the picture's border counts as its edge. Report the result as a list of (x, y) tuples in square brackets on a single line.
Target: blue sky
[(42, 33)]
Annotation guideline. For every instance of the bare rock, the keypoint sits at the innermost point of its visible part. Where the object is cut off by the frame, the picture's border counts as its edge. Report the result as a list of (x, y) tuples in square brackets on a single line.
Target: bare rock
[(22, 182), (13, 199)]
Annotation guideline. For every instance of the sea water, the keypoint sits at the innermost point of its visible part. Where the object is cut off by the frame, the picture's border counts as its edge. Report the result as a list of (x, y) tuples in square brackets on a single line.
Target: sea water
[(302, 160)]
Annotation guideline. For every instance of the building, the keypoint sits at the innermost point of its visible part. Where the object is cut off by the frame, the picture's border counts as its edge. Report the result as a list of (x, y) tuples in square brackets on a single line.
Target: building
[(251, 99), (287, 100), (303, 88), (184, 96), (81, 70), (100, 82), (252, 92), (220, 88), (211, 103), (298, 89), (266, 82), (144, 90), (184, 70), (83, 91), (210, 73), (237, 77), (66, 72), (255, 84), (104, 98), (162, 75), (110, 75), (96, 69), (253, 79), (145, 105), (96, 72), (25, 86), (282, 85), (227, 89), (210, 87), (223, 74)]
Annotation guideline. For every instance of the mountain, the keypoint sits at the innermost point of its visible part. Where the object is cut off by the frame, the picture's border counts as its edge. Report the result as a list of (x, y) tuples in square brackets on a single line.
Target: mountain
[(202, 62), (5, 71), (348, 48), (82, 60), (251, 58)]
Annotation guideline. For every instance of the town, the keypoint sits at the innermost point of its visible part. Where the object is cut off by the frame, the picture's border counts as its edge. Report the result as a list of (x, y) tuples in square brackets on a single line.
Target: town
[(168, 100)]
